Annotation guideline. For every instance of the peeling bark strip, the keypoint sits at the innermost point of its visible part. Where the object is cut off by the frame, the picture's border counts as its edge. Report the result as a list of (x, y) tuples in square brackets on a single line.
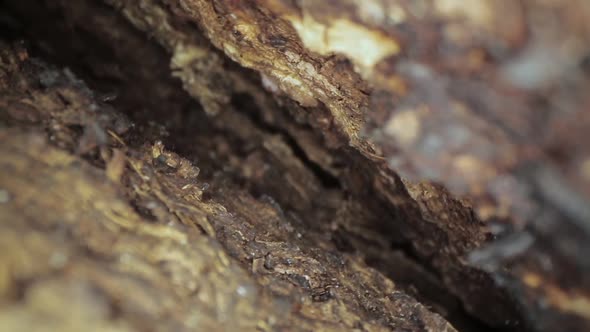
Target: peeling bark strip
[(485, 97)]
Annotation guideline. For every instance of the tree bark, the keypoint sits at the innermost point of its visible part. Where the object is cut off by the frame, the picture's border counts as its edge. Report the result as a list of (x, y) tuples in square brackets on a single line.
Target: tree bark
[(102, 234), (437, 142)]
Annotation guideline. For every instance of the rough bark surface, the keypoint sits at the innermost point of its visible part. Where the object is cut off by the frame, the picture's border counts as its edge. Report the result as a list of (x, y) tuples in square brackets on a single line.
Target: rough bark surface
[(315, 107), (123, 237)]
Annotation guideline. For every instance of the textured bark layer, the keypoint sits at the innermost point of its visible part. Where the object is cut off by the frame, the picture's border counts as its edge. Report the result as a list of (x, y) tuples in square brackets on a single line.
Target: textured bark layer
[(313, 105), (127, 237), (365, 178)]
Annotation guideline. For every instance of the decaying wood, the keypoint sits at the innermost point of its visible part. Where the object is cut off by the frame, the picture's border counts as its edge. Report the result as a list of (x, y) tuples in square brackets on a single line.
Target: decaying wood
[(122, 236), (315, 107)]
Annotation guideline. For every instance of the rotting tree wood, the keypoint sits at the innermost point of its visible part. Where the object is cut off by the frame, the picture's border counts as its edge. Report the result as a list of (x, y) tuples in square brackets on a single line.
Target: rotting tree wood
[(390, 215), (100, 233), (437, 68)]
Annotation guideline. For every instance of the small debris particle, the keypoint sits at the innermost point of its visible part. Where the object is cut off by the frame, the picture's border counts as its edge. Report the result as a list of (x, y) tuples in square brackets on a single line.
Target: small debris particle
[(269, 262), (109, 96), (116, 166), (277, 41), (321, 294)]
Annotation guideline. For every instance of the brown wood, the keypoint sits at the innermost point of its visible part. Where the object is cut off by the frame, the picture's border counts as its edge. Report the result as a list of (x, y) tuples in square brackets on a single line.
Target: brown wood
[(438, 144)]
